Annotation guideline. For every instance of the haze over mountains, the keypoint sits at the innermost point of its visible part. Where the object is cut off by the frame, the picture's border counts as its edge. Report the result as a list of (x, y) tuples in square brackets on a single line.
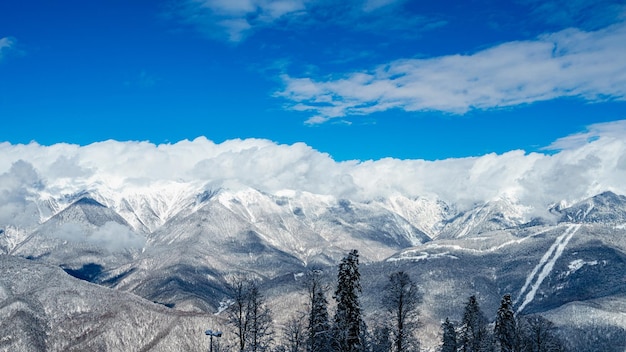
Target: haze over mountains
[(163, 228)]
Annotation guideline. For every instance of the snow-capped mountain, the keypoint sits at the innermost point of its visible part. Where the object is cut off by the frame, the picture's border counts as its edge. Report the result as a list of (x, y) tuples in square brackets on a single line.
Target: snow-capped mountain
[(180, 246), (606, 207)]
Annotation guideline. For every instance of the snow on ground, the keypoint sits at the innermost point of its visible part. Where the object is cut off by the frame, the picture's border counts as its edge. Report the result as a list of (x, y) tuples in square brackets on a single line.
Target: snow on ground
[(546, 264)]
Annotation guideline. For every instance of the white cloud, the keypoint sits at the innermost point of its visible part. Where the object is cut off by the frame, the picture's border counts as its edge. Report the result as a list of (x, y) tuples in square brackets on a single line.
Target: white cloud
[(586, 164), (115, 237), (6, 44), (18, 182), (613, 129), (570, 63), (111, 236)]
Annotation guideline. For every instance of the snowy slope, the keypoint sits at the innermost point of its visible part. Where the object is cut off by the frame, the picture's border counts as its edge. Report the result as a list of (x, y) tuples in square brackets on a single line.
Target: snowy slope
[(44, 309), (180, 244)]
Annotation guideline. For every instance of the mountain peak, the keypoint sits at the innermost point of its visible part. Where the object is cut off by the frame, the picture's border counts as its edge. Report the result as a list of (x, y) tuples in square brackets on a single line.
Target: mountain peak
[(89, 202), (606, 207)]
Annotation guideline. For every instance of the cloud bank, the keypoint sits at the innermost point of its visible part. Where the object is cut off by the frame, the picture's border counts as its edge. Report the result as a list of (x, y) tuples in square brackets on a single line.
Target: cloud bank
[(586, 164), (569, 63), (111, 236)]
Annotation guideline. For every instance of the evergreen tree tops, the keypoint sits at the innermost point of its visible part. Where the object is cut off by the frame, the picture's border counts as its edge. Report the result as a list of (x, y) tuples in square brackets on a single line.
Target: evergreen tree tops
[(474, 334), (510, 333), (505, 330), (348, 320), (449, 342)]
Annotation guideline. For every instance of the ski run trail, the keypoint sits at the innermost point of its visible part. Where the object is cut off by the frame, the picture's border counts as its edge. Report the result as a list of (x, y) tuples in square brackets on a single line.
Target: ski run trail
[(545, 266)]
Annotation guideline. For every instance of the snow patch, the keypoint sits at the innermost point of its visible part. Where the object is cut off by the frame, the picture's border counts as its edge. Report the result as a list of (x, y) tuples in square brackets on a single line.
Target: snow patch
[(224, 304), (417, 256), (546, 264), (577, 264)]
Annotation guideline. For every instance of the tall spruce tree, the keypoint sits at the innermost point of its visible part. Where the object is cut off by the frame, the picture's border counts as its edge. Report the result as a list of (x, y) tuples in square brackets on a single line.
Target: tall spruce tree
[(474, 335), (448, 340), (348, 322), (401, 299), (319, 325), (505, 331)]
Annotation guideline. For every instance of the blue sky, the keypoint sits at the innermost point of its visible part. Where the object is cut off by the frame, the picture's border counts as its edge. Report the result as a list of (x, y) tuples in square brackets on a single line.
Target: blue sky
[(366, 79)]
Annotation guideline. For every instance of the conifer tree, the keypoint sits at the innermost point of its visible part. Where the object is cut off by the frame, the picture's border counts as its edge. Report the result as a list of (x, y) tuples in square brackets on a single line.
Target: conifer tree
[(474, 336), (505, 330), (319, 326), (449, 342), (348, 322)]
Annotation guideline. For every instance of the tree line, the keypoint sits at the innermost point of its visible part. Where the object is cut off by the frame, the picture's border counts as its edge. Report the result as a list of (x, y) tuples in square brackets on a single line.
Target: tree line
[(346, 331), (510, 333)]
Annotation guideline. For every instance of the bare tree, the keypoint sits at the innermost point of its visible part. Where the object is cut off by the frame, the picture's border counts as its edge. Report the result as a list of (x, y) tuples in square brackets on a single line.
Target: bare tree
[(295, 334), (250, 317), (401, 300), (238, 311), (539, 335), (261, 327)]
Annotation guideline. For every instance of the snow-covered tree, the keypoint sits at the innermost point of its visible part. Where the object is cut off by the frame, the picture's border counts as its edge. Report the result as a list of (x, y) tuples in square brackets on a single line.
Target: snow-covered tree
[(318, 337), (260, 321), (250, 317), (295, 333), (401, 299), (348, 322), (539, 335), (505, 331), (474, 336), (448, 339)]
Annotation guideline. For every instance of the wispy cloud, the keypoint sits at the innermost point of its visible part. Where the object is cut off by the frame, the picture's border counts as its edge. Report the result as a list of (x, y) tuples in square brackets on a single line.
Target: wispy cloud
[(6, 44), (569, 63), (577, 13), (586, 164), (234, 20), (613, 129)]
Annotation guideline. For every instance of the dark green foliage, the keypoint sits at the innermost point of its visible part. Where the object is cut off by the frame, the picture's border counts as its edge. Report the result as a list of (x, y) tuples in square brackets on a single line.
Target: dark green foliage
[(505, 331), (474, 336), (401, 299), (348, 322), (448, 339)]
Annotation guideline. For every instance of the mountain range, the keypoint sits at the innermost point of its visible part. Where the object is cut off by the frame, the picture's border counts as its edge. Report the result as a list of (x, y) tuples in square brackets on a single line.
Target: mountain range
[(150, 269)]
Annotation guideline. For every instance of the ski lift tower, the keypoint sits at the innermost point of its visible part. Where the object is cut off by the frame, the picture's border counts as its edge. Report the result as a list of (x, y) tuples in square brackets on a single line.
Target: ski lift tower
[(212, 333)]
